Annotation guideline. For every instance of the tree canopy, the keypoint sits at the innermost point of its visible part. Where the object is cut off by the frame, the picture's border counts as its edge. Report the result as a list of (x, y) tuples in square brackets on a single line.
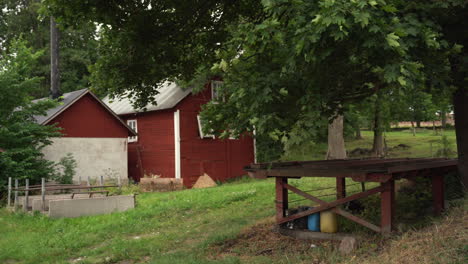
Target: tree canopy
[(144, 43), (20, 136)]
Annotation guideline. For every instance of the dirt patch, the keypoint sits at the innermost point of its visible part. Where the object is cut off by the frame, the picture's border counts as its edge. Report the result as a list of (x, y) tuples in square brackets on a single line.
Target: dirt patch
[(262, 240), (360, 152)]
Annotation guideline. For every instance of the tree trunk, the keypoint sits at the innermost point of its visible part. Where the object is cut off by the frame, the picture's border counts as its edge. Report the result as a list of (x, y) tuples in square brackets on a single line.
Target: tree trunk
[(443, 120), (460, 105), (378, 148), (358, 132), (413, 129), (418, 124), (54, 60), (336, 146)]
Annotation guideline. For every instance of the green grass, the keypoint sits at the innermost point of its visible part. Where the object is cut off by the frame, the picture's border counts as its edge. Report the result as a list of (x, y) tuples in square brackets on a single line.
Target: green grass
[(424, 144), (176, 227)]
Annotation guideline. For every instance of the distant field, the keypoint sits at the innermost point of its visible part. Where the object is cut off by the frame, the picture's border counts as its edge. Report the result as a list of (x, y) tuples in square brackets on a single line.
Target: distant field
[(424, 144), (203, 225)]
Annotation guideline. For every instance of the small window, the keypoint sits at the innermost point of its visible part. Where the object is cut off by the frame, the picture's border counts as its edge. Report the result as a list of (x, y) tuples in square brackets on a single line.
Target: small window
[(200, 129), (133, 125), (215, 88)]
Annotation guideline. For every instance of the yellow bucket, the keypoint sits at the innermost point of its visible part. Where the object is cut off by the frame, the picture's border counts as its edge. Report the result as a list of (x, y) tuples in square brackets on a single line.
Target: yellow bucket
[(328, 222)]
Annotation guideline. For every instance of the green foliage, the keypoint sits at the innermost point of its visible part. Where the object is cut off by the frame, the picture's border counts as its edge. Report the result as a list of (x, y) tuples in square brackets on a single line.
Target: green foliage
[(65, 169), (305, 60), (78, 44), (20, 136), (445, 148), (142, 44)]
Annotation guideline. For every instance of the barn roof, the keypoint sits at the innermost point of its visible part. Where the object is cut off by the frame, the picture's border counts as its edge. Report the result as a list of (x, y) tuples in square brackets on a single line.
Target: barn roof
[(68, 99), (170, 94)]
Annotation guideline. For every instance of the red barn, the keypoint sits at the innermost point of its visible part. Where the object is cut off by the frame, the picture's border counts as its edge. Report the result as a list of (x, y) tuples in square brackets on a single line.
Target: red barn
[(170, 142), (94, 135)]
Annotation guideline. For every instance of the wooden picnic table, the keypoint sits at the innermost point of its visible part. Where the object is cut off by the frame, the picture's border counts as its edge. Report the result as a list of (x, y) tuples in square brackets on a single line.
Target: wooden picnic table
[(383, 171)]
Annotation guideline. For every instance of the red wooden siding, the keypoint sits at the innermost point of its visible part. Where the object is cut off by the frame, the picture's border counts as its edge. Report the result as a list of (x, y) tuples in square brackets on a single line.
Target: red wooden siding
[(221, 159), (155, 150), (88, 118), (153, 153)]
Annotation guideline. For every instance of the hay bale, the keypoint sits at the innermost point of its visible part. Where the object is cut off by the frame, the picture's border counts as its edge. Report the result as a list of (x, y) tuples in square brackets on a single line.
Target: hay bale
[(204, 181), (161, 184)]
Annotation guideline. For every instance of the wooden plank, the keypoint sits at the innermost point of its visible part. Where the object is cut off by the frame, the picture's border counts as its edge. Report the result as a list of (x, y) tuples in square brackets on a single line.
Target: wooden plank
[(327, 164), (387, 206), (310, 172), (9, 192), (336, 210), (26, 196), (356, 219), (16, 194), (281, 197), (304, 194), (340, 188), (424, 165), (330, 205)]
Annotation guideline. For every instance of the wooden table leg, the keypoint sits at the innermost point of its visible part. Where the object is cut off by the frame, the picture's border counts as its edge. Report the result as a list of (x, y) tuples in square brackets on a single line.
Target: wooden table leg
[(387, 206), (281, 198), (340, 188), (438, 193)]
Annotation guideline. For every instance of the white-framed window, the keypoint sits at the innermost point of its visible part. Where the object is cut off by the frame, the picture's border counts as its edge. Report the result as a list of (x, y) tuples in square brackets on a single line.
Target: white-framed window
[(200, 129), (133, 125), (215, 88)]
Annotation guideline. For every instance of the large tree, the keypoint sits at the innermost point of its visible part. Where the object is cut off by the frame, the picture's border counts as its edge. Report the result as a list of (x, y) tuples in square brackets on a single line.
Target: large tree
[(21, 137), (144, 43), (283, 62)]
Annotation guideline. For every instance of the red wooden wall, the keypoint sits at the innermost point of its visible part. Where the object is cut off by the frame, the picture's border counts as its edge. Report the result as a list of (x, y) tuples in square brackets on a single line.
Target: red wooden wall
[(153, 153), (220, 158), (88, 118), (155, 150)]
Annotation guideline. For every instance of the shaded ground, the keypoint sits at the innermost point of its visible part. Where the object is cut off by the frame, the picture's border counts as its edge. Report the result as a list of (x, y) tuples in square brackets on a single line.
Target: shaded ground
[(446, 241)]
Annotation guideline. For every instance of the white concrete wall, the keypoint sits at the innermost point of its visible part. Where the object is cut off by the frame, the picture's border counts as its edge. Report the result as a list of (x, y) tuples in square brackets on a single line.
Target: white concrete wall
[(91, 206), (94, 156)]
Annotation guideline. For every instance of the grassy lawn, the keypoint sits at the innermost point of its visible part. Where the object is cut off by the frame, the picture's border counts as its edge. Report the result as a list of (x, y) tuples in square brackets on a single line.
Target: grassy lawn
[(178, 227), (424, 144)]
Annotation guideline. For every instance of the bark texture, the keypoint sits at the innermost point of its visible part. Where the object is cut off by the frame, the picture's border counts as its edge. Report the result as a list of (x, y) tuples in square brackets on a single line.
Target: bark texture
[(358, 133), (460, 103), (54, 60), (378, 147), (336, 146), (443, 120)]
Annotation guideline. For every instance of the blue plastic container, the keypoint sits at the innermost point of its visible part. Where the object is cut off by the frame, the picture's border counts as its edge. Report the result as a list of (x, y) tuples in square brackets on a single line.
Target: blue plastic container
[(313, 222)]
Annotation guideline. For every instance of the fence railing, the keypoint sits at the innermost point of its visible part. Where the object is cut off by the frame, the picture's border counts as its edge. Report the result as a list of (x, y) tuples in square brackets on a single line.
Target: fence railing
[(47, 187)]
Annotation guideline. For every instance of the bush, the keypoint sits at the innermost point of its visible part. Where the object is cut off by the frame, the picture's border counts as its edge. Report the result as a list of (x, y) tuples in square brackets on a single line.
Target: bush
[(65, 169)]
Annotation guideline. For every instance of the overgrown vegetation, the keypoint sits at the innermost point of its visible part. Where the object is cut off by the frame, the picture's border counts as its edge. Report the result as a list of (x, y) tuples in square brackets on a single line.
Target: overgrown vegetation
[(65, 169), (232, 223), (21, 138)]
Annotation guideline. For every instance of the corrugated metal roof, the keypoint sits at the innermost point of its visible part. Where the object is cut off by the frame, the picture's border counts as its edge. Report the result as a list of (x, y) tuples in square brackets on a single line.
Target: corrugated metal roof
[(170, 94), (68, 99)]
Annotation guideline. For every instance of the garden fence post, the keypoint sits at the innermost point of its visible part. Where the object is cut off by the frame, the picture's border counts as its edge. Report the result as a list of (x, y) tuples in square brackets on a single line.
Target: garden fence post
[(79, 180), (119, 183), (101, 180), (9, 192), (26, 197), (43, 191), (16, 194)]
